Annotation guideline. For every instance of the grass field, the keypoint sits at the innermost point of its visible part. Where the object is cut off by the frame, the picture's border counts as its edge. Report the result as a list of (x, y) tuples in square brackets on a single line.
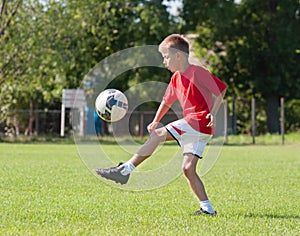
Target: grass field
[(46, 190)]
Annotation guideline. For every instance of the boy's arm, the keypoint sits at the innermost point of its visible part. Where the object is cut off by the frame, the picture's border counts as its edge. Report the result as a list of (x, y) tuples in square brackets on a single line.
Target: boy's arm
[(215, 108), (161, 111)]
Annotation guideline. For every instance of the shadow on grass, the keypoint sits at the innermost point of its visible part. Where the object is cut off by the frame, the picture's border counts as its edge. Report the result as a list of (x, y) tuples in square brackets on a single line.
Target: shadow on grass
[(270, 216)]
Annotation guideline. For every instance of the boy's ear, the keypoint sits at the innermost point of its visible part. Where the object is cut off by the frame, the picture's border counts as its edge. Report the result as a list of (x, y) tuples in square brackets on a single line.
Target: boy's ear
[(178, 55)]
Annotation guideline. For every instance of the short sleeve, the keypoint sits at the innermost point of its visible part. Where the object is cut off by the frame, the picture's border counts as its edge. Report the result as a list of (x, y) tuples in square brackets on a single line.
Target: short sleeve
[(170, 94), (210, 81)]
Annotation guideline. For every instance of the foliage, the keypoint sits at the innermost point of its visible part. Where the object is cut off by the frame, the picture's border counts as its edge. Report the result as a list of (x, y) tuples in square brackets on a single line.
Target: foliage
[(50, 45), (254, 47), (292, 114)]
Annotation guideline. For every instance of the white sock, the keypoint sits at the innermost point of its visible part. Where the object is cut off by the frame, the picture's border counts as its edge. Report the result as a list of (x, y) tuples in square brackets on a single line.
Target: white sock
[(128, 167), (206, 206)]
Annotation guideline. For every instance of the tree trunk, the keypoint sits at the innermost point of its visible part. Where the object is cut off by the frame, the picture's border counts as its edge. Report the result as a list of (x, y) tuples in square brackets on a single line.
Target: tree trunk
[(16, 124), (272, 105), (37, 120), (31, 118)]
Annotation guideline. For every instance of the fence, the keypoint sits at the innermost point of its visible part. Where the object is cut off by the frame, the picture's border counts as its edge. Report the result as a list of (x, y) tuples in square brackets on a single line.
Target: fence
[(43, 122), (237, 116), (48, 122)]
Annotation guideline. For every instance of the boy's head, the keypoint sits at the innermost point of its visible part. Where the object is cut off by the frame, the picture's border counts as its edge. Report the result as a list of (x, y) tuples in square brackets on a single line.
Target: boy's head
[(175, 51), (175, 41)]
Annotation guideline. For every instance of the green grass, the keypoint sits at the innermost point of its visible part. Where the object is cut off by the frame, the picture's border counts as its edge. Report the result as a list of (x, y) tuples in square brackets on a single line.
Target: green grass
[(46, 190), (241, 139), (267, 139)]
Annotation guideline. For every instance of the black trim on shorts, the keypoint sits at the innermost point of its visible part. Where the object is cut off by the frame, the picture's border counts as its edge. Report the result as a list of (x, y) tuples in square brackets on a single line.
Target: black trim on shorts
[(193, 154), (173, 137)]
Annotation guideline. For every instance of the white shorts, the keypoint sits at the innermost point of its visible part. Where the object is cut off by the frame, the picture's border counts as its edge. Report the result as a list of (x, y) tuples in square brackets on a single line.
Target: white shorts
[(191, 140)]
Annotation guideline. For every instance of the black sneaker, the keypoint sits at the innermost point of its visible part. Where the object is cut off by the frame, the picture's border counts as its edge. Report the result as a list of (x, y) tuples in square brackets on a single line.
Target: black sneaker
[(114, 173), (203, 212)]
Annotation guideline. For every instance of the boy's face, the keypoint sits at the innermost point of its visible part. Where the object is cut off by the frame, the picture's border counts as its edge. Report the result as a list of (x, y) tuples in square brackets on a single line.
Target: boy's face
[(171, 59)]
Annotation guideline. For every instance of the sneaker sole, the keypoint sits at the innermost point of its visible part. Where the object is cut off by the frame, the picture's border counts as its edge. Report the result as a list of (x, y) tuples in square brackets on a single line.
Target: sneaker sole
[(116, 181)]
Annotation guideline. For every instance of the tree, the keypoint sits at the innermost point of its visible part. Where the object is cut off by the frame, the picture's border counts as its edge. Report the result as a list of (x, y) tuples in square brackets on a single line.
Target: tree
[(261, 48), (46, 46), (270, 30)]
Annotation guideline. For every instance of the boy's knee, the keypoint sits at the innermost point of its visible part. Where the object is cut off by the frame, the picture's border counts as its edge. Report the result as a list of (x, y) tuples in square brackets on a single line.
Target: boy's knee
[(159, 135), (185, 170), (189, 165), (188, 170)]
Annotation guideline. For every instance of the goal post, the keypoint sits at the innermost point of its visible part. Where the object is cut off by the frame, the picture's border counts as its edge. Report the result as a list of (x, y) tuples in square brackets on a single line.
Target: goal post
[(73, 98)]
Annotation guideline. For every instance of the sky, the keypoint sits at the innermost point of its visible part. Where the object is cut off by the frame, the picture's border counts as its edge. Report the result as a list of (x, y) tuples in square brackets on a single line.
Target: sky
[(175, 4)]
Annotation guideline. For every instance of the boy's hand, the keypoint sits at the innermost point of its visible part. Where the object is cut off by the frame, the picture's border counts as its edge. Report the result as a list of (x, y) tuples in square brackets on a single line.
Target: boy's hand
[(211, 123), (152, 126)]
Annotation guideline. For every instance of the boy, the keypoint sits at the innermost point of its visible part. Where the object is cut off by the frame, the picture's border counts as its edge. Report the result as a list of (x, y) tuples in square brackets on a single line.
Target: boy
[(193, 87)]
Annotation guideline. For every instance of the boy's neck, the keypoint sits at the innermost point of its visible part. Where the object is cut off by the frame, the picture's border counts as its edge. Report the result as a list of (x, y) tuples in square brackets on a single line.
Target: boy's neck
[(184, 67)]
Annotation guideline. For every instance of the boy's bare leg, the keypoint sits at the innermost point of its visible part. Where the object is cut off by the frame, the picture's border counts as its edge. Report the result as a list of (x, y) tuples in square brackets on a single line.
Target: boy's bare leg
[(156, 137), (120, 174), (189, 169)]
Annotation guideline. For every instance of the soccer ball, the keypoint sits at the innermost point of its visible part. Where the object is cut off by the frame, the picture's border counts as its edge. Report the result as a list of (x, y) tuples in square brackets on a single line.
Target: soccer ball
[(111, 105)]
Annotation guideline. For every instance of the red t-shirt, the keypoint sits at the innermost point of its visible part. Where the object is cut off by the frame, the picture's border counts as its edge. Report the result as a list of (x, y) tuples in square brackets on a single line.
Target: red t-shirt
[(194, 89)]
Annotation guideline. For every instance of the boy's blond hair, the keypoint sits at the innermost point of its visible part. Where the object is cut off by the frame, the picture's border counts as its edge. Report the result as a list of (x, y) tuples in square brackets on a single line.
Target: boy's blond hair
[(175, 41)]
